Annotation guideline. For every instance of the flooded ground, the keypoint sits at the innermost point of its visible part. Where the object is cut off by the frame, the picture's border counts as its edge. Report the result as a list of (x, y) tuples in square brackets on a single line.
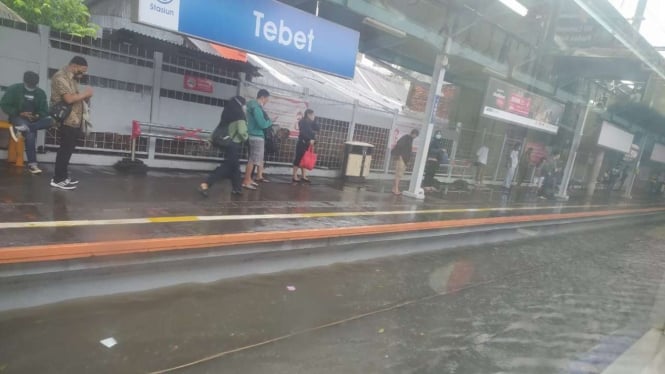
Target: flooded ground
[(547, 305)]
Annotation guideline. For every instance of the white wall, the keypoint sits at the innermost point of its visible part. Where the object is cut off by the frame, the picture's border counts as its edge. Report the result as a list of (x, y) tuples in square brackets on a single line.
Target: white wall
[(181, 113), (19, 52), (107, 117)]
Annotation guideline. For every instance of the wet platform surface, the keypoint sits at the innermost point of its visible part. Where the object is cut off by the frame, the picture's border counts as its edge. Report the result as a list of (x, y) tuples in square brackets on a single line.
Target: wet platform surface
[(568, 304), (105, 195)]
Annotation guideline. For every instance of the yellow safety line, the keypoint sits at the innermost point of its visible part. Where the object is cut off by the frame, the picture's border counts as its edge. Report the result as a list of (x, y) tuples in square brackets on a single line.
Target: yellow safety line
[(246, 217)]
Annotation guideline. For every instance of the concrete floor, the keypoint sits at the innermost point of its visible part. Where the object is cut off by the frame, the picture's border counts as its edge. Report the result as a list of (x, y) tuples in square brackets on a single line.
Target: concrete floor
[(554, 305), (105, 195)]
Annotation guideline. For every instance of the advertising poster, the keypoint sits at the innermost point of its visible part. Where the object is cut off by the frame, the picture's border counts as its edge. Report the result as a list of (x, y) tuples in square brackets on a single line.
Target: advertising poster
[(515, 105)]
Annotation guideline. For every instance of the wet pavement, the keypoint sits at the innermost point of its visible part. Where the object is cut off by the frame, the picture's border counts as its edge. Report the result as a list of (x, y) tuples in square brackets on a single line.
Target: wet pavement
[(568, 304), (106, 195)]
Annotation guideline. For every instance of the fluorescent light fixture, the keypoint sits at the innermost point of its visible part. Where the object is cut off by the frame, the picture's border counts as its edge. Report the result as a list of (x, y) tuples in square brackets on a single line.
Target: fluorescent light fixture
[(383, 27), (516, 7)]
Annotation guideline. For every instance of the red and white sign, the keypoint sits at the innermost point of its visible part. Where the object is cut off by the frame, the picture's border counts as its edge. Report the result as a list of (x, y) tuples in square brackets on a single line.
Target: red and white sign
[(286, 112), (198, 84)]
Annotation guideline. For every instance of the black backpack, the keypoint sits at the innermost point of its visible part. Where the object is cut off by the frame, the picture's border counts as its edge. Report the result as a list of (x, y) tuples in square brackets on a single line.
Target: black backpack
[(220, 138)]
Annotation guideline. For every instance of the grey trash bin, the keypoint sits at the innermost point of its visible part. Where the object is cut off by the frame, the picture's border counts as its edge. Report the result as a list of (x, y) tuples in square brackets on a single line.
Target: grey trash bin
[(357, 161)]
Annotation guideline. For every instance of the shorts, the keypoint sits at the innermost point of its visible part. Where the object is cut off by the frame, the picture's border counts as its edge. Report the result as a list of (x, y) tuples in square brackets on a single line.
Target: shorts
[(400, 168), (256, 150)]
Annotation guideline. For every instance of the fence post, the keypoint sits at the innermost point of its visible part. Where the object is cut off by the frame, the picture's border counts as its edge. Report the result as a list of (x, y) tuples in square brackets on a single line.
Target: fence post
[(241, 83), (499, 163), (389, 150), (352, 125), (158, 60), (44, 38), (453, 151)]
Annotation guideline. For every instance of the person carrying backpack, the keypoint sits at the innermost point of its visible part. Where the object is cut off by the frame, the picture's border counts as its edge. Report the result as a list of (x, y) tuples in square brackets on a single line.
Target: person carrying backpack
[(229, 135)]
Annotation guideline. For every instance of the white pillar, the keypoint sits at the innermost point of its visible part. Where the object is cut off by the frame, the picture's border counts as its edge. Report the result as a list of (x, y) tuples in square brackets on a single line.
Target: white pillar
[(636, 170), (425, 137), (572, 155)]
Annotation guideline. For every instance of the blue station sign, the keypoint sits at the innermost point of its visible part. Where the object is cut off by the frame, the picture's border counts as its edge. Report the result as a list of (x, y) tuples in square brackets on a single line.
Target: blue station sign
[(264, 27)]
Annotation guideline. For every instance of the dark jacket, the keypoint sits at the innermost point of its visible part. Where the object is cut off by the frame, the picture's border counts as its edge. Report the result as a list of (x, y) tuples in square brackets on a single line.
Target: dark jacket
[(307, 129), (436, 148), (404, 148), (12, 101)]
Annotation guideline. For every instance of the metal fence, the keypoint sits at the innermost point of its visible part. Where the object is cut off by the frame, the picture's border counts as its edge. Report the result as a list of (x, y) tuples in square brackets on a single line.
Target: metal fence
[(338, 122)]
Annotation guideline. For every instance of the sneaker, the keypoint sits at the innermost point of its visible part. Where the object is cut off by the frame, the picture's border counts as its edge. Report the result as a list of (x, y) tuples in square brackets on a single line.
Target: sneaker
[(62, 185), (16, 132), (34, 169), (71, 182)]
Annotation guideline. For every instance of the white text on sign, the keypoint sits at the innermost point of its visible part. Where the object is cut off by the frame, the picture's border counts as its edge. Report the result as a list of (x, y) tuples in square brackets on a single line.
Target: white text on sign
[(284, 35)]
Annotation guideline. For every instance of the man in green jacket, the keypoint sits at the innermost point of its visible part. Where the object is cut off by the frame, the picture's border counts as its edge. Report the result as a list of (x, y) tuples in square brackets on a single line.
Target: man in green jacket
[(26, 106), (257, 123)]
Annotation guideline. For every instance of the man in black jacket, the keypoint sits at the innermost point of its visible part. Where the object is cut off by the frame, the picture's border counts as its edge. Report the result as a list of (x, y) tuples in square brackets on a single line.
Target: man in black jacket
[(402, 155)]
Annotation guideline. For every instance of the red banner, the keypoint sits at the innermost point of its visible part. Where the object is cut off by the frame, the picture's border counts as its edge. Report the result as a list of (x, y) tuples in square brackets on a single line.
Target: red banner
[(198, 84)]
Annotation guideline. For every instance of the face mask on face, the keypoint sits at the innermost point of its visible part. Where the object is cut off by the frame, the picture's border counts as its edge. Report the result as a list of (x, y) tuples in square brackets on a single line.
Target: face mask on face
[(438, 136), (29, 89)]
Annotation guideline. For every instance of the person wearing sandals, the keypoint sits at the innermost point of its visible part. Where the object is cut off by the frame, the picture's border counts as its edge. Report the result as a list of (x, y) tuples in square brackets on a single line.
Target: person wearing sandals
[(234, 116), (257, 123), (307, 136)]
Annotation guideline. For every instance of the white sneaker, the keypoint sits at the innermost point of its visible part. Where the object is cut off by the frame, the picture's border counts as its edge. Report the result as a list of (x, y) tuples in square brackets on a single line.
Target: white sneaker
[(71, 182), (34, 169), (62, 185)]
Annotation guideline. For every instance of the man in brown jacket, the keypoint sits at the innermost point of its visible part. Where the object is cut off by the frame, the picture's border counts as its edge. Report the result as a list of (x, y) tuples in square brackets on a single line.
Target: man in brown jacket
[(65, 88)]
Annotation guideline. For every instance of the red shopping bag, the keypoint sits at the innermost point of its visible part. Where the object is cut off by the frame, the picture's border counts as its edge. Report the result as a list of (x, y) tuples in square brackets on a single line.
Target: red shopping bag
[(308, 160)]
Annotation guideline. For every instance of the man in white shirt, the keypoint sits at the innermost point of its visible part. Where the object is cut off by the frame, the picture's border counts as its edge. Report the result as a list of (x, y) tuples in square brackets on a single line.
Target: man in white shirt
[(481, 162), (512, 166)]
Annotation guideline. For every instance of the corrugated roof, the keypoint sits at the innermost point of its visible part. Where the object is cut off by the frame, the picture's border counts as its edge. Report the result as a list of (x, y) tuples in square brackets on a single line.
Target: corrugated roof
[(7, 13), (371, 88)]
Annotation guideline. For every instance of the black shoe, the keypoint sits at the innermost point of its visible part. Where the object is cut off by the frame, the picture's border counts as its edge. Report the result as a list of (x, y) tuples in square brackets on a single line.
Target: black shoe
[(236, 192)]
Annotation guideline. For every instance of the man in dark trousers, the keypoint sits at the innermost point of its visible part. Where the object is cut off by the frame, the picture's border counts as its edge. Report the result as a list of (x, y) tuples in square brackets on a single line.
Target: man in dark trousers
[(65, 88), (402, 155), (26, 106)]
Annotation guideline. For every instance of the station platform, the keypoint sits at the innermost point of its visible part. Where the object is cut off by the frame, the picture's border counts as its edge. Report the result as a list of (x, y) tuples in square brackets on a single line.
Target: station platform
[(113, 214)]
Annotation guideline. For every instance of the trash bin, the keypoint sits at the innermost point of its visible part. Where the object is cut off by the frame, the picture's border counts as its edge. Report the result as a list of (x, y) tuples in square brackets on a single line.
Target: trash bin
[(357, 160)]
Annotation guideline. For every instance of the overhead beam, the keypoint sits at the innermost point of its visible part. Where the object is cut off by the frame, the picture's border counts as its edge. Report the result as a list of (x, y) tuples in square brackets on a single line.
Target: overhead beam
[(393, 19), (609, 18), (380, 42)]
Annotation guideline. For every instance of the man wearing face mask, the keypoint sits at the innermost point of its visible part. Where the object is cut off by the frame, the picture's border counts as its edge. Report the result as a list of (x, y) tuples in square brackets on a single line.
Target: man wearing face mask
[(435, 158), (26, 106), (65, 88)]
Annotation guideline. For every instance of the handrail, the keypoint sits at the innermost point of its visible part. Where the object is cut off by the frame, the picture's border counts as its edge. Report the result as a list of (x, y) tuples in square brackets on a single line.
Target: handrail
[(186, 133)]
